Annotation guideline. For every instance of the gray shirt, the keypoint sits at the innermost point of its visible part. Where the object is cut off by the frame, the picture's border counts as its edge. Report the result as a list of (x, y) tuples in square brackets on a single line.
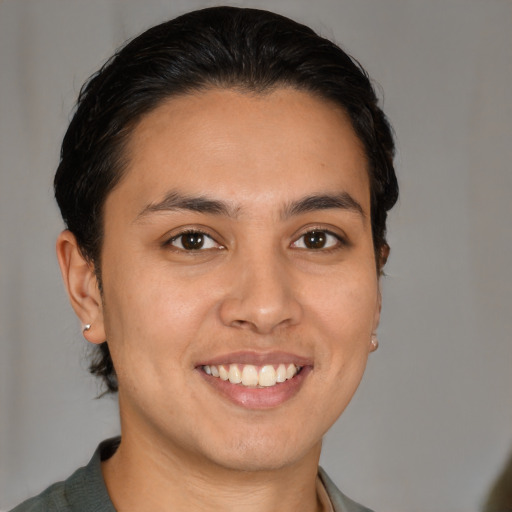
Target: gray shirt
[(85, 490)]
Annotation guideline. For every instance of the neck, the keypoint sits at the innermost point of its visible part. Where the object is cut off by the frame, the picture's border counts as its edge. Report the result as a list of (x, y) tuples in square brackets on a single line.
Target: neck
[(148, 475)]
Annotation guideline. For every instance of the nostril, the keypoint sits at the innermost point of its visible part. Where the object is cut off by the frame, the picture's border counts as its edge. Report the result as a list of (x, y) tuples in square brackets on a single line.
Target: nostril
[(241, 324), (261, 304)]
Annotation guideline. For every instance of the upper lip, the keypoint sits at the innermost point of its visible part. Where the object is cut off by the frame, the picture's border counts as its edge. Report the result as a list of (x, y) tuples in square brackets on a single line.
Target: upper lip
[(257, 359)]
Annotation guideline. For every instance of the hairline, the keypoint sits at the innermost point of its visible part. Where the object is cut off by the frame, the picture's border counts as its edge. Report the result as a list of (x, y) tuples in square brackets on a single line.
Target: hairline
[(127, 133)]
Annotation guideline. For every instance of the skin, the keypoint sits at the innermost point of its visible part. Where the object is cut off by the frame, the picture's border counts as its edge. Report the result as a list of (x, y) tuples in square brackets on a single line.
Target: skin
[(254, 287)]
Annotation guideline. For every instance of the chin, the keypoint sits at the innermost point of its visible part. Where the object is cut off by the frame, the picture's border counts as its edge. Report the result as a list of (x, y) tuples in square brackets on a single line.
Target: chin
[(255, 461), (263, 452)]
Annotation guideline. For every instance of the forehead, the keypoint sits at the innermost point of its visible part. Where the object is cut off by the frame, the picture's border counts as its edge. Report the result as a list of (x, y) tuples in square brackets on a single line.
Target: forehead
[(248, 147)]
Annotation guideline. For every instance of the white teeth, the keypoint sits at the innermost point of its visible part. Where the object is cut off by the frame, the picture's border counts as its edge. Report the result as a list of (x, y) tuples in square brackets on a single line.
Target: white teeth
[(235, 377), (248, 374), (281, 373), (291, 370), (267, 376), (224, 375)]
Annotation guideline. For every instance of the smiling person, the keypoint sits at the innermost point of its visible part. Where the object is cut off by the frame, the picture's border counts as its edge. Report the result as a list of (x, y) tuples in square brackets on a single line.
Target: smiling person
[(225, 183)]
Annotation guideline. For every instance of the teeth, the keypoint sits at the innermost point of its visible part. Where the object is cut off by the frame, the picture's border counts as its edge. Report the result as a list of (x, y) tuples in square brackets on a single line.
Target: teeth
[(224, 375), (281, 373), (267, 376), (249, 375), (235, 377)]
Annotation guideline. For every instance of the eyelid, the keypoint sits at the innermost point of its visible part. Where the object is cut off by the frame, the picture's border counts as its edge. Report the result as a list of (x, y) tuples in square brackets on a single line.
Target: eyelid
[(178, 232), (337, 233)]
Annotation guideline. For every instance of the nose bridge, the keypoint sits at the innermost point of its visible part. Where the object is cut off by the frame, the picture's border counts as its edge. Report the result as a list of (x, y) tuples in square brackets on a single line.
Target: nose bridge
[(262, 295)]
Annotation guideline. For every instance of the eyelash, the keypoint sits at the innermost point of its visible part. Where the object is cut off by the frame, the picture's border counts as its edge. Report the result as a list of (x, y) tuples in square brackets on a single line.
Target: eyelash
[(198, 232), (340, 241)]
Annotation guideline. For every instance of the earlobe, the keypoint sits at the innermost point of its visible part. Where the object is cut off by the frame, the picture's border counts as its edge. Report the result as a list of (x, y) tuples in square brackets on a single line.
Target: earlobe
[(383, 257), (82, 286), (374, 342)]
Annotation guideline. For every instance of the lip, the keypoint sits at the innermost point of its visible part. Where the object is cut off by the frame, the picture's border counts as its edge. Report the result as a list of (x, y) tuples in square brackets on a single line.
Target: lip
[(257, 359), (257, 398)]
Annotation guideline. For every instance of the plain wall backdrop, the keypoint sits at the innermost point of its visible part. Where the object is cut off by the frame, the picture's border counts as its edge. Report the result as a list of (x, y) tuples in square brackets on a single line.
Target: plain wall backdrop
[(431, 424)]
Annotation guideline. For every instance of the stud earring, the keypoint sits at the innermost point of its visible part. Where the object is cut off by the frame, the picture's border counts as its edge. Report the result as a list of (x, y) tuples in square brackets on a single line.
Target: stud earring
[(374, 342), (86, 328)]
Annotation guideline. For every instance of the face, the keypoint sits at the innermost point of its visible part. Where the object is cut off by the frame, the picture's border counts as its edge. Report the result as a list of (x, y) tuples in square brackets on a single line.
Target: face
[(238, 246)]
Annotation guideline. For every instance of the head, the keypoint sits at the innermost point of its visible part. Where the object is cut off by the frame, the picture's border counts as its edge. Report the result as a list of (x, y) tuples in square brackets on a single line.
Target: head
[(243, 49), (207, 61)]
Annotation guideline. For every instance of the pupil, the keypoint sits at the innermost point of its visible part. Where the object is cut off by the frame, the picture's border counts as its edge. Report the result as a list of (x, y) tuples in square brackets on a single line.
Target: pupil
[(192, 241), (315, 240)]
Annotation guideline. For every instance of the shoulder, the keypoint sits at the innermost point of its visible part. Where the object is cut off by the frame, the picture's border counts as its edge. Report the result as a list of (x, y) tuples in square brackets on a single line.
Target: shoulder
[(83, 491), (340, 502), (52, 499)]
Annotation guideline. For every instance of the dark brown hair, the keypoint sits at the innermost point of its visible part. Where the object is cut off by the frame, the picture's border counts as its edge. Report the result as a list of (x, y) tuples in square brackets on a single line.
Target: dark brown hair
[(247, 49)]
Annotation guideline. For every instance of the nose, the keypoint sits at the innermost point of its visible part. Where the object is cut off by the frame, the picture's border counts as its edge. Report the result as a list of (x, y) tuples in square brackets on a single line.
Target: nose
[(262, 296)]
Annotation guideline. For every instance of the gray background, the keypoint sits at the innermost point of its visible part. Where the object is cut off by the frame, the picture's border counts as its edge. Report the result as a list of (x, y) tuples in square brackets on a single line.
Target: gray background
[(431, 425)]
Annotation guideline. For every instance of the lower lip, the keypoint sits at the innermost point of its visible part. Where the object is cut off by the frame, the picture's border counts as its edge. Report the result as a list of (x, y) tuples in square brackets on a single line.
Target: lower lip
[(258, 398)]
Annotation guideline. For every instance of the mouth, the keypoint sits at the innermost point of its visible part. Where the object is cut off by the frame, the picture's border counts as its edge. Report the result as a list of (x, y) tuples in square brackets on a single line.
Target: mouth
[(253, 376), (256, 381)]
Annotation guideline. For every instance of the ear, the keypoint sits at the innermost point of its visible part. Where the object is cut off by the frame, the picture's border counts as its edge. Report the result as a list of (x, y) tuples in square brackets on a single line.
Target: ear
[(374, 342), (383, 257), (82, 287)]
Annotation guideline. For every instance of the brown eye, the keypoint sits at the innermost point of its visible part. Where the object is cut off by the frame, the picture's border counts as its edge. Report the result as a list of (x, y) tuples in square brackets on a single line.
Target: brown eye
[(193, 241), (316, 239)]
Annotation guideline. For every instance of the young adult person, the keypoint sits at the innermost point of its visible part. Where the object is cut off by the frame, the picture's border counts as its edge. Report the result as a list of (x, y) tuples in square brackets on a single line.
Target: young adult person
[(224, 182)]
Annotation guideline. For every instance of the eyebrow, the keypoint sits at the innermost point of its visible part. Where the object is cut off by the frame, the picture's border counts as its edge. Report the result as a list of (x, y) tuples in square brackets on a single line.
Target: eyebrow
[(174, 200), (342, 200)]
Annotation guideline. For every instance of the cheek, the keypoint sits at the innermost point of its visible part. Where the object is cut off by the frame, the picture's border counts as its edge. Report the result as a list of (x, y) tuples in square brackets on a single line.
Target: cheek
[(344, 310), (344, 321), (148, 306)]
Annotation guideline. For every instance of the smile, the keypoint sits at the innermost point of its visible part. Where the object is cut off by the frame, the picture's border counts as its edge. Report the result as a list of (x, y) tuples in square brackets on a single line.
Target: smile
[(253, 376)]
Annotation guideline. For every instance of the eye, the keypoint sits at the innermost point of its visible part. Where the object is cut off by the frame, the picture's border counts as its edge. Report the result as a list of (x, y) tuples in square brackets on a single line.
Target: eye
[(317, 239), (193, 241)]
